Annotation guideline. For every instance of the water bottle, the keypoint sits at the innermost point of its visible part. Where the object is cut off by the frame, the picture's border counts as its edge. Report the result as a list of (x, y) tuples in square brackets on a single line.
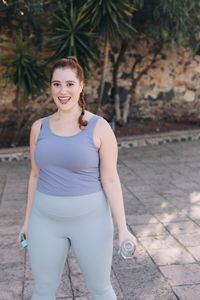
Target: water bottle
[(127, 249), (24, 242)]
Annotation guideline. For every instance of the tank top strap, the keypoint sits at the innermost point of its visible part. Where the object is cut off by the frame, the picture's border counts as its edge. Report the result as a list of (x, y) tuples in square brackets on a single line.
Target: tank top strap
[(44, 127), (91, 124)]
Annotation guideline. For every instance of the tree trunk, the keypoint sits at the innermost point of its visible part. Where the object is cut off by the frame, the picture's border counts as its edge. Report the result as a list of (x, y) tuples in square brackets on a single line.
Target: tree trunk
[(126, 108), (105, 64), (135, 80), (115, 94), (117, 108)]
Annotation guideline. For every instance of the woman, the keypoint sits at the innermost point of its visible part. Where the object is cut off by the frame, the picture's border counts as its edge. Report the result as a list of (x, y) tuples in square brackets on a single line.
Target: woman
[(73, 174)]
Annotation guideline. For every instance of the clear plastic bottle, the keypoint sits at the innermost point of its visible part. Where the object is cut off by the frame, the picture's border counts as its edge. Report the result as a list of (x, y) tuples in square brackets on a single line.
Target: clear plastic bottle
[(127, 249)]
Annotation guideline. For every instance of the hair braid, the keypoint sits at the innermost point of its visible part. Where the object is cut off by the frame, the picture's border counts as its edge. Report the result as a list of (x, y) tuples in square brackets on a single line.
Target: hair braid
[(82, 105)]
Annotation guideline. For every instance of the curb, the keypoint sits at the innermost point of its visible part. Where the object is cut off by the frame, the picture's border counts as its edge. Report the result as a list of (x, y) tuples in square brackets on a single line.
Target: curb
[(159, 138), (21, 153)]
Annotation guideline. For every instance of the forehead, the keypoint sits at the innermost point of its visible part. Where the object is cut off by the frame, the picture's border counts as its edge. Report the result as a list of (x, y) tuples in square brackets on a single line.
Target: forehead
[(64, 74)]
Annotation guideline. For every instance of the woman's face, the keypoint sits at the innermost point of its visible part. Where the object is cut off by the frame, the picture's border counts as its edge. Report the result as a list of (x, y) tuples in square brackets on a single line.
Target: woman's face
[(65, 89)]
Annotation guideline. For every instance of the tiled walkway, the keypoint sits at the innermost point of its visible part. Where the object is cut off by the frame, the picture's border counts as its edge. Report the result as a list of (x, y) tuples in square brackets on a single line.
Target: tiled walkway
[(162, 202)]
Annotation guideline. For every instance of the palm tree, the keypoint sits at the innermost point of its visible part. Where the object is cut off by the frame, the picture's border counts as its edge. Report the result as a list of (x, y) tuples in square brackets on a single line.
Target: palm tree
[(110, 17), (22, 68), (24, 71), (73, 35)]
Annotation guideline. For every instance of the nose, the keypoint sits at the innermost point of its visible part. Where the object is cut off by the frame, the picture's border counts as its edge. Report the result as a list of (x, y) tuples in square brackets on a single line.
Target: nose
[(63, 90)]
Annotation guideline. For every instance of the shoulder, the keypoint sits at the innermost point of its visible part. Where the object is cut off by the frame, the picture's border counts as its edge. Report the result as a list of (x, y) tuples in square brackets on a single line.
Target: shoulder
[(100, 120), (103, 129), (35, 129), (103, 124), (36, 125)]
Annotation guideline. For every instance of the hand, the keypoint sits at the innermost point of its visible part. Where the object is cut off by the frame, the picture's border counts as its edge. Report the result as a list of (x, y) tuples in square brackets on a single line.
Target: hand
[(126, 235), (23, 230)]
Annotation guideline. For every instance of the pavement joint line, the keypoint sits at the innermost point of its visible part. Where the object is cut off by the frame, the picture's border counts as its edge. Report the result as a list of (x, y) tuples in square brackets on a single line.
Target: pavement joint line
[(24, 279), (187, 284), (193, 220), (70, 279), (119, 284), (3, 188), (168, 281)]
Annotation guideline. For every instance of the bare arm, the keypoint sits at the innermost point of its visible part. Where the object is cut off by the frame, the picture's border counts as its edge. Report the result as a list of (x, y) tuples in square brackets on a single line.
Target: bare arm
[(110, 179), (108, 173), (32, 184)]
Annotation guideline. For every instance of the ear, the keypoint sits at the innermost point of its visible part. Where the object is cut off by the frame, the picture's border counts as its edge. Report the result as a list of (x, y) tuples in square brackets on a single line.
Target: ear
[(81, 86)]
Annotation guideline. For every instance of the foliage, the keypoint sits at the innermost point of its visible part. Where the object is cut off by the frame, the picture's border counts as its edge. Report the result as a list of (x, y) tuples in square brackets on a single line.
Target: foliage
[(169, 22), (110, 17), (72, 34), (77, 27), (22, 66)]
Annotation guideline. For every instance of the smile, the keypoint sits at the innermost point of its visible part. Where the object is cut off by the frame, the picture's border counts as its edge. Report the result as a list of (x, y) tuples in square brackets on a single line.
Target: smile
[(64, 100)]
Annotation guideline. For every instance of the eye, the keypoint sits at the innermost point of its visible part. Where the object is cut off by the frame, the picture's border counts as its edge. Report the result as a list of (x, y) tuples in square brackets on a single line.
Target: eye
[(56, 84), (70, 84)]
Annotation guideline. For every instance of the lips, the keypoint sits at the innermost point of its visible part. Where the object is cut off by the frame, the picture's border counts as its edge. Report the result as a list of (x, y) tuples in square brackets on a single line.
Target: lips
[(64, 100)]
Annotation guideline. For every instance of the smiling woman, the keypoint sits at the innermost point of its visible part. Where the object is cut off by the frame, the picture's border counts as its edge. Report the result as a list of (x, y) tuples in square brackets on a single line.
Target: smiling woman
[(72, 188), (67, 85), (69, 88)]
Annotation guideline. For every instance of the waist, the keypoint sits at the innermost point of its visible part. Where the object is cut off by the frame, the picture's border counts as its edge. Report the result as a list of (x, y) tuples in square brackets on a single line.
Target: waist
[(56, 184), (68, 206)]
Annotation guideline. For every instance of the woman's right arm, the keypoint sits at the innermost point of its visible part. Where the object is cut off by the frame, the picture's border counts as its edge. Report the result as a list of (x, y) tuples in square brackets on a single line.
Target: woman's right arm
[(32, 184)]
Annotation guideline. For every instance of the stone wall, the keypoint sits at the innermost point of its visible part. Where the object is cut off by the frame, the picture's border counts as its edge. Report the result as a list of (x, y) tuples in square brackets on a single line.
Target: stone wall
[(170, 88)]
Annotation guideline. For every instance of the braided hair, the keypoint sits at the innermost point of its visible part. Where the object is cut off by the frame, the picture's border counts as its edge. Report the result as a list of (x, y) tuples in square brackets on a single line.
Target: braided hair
[(71, 62)]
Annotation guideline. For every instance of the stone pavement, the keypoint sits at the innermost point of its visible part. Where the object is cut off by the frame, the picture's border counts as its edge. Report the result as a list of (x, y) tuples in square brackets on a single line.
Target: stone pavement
[(162, 201)]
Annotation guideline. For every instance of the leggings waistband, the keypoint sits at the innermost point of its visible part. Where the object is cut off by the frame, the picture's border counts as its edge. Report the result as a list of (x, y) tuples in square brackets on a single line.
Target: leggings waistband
[(69, 206)]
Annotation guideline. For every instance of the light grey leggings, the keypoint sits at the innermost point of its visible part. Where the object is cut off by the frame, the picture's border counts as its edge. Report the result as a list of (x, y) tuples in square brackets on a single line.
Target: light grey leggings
[(84, 222)]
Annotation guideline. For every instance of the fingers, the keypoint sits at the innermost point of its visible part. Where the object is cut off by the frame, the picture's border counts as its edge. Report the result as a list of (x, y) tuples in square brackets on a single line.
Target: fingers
[(20, 239)]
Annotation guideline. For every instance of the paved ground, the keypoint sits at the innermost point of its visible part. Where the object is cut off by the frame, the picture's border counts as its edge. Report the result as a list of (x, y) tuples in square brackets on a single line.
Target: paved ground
[(162, 201)]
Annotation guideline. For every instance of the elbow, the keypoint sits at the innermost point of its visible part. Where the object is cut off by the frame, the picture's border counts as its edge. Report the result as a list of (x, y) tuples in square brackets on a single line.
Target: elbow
[(109, 180)]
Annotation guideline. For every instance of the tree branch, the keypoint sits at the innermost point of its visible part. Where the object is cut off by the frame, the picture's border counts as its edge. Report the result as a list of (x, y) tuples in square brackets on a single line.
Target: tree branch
[(144, 71)]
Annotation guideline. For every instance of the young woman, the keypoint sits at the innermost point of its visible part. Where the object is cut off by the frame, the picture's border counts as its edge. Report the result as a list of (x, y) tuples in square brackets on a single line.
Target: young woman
[(73, 187)]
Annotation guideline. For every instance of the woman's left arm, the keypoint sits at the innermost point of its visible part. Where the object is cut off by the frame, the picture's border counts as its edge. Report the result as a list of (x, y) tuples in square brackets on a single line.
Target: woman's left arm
[(108, 153)]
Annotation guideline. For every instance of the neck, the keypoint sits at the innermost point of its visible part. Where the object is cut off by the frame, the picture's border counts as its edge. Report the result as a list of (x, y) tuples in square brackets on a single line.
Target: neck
[(66, 115)]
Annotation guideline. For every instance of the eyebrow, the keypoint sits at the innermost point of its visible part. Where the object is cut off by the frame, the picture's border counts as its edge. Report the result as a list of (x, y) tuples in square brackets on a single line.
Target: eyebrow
[(65, 81)]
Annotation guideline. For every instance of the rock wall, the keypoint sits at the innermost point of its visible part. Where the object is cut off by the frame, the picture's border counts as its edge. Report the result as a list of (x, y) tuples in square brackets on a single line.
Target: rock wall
[(170, 88)]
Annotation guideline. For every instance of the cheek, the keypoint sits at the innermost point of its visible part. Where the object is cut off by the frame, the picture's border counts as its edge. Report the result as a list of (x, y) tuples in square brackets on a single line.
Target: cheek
[(76, 92), (54, 91)]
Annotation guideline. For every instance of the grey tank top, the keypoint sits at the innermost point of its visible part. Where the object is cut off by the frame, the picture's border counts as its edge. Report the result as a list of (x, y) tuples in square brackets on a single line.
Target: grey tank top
[(69, 165)]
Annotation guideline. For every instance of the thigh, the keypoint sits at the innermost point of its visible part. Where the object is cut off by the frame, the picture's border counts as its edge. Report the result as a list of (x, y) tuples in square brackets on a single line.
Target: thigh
[(47, 248), (92, 244)]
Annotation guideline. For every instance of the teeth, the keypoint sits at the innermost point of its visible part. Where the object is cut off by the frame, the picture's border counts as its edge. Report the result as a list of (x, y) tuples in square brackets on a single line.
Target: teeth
[(64, 99)]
